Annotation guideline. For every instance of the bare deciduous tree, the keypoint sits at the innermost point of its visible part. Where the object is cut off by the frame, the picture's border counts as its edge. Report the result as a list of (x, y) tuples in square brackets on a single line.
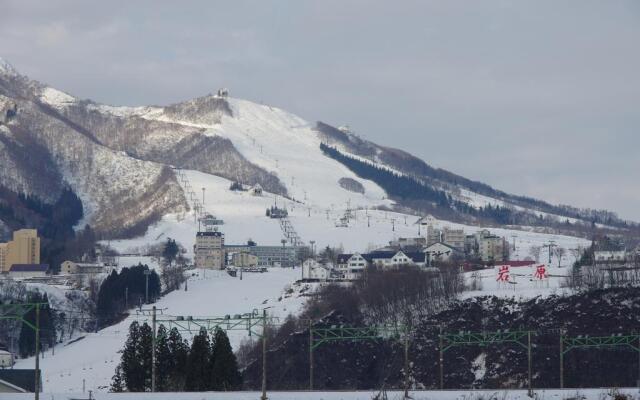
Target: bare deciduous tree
[(534, 252), (559, 253)]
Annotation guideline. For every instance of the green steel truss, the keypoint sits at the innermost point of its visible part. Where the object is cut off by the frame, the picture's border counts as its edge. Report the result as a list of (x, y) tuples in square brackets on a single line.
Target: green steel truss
[(250, 322), (569, 343), (450, 340), (320, 336), (18, 312)]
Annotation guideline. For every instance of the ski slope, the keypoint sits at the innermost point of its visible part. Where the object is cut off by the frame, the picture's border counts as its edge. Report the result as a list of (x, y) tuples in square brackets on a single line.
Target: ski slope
[(244, 217), (93, 358)]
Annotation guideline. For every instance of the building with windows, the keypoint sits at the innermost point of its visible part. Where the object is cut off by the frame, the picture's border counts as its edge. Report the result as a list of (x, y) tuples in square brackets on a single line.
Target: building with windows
[(613, 256), (244, 259), (23, 249), (208, 252), (351, 266), (268, 256), (312, 270), (440, 252), (492, 248), (453, 237)]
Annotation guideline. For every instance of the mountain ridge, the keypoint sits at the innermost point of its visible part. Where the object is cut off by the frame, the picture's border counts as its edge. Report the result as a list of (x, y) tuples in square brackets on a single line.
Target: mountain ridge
[(120, 161)]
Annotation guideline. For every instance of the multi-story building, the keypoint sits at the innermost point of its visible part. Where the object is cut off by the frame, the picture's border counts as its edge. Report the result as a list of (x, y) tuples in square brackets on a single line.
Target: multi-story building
[(315, 271), (493, 248), (268, 256), (209, 250), (453, 237), (612, 256), (434, 235), (244, 259), (23, 249)]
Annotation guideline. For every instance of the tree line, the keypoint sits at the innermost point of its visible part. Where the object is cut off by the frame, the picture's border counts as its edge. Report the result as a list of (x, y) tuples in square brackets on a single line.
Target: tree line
[(207, 365), (420, 195), (122, 290)]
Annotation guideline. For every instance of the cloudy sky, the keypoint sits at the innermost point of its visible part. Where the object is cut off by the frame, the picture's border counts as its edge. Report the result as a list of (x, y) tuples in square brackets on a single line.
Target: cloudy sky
[(533, 97)]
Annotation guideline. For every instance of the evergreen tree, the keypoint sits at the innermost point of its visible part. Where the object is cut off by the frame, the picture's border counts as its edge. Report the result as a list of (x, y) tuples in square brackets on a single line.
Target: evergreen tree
[(198, 377), (144, 354), (131, 368), (170, 251), (117, 384), (165, 363), (27, 339), (224, 366), (179, 352)]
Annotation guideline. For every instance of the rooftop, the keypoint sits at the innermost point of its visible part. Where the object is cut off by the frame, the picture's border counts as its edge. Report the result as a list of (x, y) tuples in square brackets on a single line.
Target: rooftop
[(29, 268)]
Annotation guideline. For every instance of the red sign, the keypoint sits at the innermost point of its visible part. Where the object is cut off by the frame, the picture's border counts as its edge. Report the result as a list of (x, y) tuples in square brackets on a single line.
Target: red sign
[(503, 274), (541, 272)]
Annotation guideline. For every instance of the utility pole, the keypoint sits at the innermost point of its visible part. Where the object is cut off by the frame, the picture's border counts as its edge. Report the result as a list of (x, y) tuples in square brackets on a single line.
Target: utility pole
[(310, 355), (561, 360), (146, 285), (37, 372), (406, 365), (550, 245), (203, 196), (393, 224), (264, 355), (153, 349), (441, 361), (529, 363), (126, 298)]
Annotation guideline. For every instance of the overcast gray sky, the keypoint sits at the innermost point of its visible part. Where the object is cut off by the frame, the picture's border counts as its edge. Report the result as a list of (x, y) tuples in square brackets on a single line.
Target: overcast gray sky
[(533, 97)]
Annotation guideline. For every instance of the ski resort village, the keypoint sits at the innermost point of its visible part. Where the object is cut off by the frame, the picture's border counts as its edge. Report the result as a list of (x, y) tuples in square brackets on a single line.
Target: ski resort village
[(257, 200)]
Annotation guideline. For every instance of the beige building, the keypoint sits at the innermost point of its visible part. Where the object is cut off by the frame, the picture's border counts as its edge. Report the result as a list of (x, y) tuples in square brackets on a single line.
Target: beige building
[(71, 268), (493, 249), (209, 250), (23, 249), (244, 259), (453, 237)]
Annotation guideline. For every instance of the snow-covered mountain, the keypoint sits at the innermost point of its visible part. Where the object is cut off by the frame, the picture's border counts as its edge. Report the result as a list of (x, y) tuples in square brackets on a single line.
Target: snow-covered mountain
[(120, 160)]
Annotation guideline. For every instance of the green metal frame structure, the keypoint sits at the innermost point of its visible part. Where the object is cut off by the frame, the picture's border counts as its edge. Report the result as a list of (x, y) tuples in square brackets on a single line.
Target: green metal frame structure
[(250, 322), (320, 336), (18, 312), (483, 339), (568, 343)]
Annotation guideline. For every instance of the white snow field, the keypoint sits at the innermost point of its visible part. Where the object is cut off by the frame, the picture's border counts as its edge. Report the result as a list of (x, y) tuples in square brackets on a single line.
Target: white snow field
[(244, 217), (550, 394), (212, 293), (287, 146)]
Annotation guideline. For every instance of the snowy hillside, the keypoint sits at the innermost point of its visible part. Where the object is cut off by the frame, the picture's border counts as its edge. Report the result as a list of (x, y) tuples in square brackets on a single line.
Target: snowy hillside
[(244, 217), (117, 159), (94, 356)]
